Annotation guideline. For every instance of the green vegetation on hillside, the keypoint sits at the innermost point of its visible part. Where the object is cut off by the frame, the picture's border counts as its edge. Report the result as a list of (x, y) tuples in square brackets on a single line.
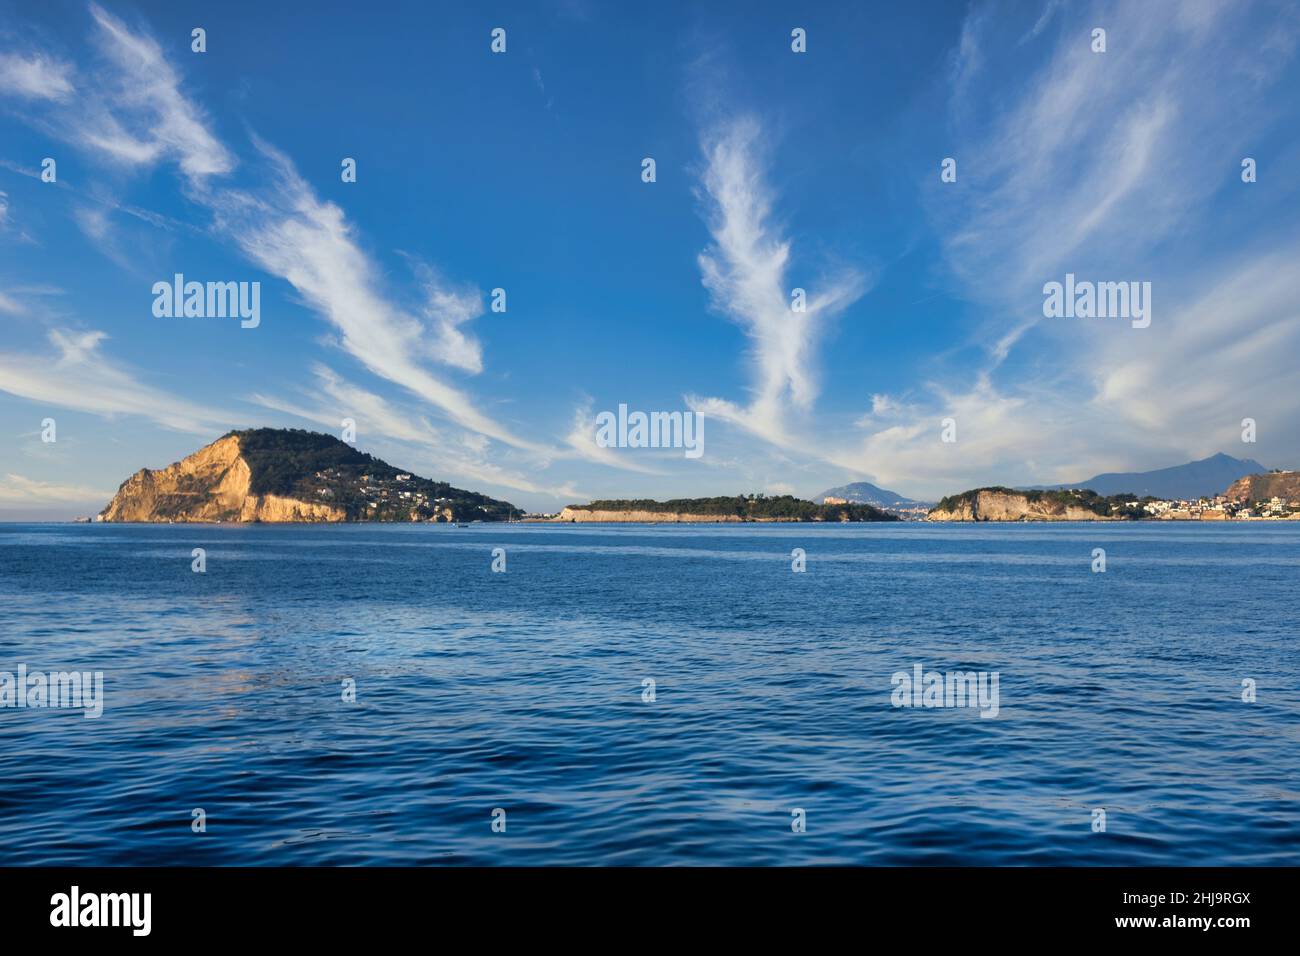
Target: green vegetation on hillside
[(310, 466), (280, 458), (747, 507)]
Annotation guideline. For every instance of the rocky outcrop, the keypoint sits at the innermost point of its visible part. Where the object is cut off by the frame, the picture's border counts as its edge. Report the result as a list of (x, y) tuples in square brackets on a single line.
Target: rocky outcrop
[(213, 484), (1274, 484), (288, 474), (996, 505)]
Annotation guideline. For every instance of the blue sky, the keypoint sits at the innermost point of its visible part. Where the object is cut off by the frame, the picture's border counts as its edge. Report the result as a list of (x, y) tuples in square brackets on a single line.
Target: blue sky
[(774, 170)]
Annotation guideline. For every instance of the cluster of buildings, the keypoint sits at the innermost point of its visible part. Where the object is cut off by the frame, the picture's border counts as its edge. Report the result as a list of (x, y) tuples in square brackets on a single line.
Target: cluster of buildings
[(377, 493), (1216, 508), (1222, 508), (915, 511)]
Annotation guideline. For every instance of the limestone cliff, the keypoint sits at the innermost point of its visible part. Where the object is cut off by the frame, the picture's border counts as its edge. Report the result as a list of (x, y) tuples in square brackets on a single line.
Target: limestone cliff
[(1003, 504), (282, 475), (213, 484)]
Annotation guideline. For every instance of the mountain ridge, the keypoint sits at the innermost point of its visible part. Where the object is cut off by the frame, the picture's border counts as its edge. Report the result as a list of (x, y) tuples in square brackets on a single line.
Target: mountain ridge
[(1203, 478)]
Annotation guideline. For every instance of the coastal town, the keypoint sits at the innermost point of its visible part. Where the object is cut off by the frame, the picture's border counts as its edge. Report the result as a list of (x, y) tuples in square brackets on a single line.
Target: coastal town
[(913, 511), (1217, 508), (403, 491), (1222, 508)]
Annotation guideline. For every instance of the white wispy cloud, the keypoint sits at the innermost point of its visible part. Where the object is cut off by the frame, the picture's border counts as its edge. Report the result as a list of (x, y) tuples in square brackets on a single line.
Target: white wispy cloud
[(129, 109), (581, 440), (290, 232), (1230, 353), (136, 112), (76, 374), (746, 274), (19, 490), (902, 444), (372, 414), (14, 297), (92, 221), (458, 456), (1104, 165), (35, 76), (1049, 11), (141, 114), (968, 57), (447, 308)]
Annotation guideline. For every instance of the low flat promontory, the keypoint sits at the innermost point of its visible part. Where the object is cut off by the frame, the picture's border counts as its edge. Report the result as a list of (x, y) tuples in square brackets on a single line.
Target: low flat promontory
[(728, 510)]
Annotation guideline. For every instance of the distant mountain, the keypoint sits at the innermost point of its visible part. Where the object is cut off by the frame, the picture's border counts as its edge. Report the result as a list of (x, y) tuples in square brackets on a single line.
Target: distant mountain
[(1205, 478), (865, 493), (279, 474)]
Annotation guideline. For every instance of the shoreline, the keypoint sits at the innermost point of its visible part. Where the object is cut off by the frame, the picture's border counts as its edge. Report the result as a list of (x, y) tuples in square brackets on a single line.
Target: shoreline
[(682, 519)]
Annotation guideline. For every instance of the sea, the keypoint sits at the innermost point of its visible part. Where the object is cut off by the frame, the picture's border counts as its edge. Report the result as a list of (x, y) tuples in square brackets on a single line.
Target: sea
[(653, 695)]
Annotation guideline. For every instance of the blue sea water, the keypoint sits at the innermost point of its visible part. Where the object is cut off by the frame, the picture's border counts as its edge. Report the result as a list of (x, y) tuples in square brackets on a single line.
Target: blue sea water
[(524, 691)]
